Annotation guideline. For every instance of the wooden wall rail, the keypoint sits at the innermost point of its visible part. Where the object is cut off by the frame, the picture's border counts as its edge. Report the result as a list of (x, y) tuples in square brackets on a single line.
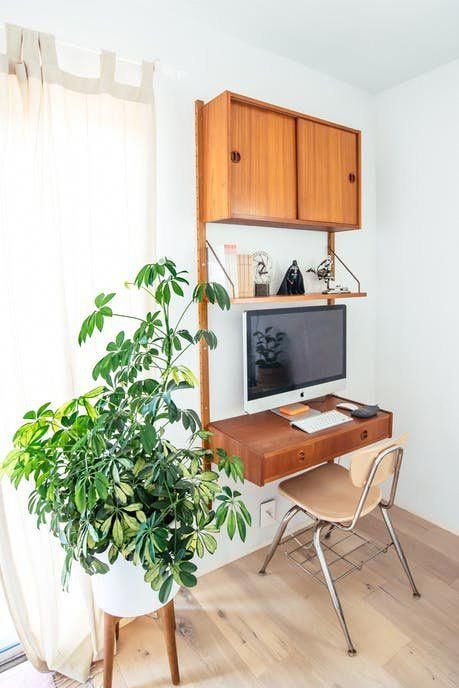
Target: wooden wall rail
[(202, 277)]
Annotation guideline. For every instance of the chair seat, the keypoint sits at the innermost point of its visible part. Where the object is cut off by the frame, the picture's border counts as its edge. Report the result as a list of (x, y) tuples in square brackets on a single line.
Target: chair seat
[(328, 493)]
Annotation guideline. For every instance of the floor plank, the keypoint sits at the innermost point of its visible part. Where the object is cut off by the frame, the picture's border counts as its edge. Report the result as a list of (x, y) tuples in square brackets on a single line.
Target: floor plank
[(412, 666), (432, 559)]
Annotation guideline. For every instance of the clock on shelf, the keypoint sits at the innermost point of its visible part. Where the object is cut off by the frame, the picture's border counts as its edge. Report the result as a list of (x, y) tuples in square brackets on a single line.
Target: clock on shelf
[(262, 272)]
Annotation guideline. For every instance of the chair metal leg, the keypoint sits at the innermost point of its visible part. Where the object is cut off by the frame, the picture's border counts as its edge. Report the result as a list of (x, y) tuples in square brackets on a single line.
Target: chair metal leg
[(400, 552), (351, 651), (329, 532), (277, 538)]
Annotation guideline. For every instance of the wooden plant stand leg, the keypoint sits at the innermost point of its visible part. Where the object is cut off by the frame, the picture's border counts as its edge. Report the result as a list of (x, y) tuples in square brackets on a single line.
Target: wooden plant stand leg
[(167, 616), (111, 628)]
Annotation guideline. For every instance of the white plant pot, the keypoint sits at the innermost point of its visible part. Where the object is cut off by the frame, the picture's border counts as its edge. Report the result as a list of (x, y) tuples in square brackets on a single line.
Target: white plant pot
[(123, 592)]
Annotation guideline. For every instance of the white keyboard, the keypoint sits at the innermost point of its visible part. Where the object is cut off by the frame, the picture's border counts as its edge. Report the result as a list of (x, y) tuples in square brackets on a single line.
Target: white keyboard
[(322, 421)]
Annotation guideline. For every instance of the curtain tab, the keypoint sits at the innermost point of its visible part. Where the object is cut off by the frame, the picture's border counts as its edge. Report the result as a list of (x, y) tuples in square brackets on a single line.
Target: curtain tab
[(31, 53), (13, 46), (148, 70), (107, 70), (47, 44), (30, 47)]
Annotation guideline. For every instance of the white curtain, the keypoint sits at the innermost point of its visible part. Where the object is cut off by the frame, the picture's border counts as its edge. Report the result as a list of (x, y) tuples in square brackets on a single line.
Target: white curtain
[(76, 218)]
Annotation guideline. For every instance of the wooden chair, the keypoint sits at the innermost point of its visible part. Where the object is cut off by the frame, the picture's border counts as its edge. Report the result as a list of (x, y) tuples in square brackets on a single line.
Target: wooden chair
[(111, 633), (335, 497)]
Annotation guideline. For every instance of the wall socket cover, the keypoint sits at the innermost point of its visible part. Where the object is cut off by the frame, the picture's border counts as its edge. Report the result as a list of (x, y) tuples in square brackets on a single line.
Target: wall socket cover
[(267, 513)]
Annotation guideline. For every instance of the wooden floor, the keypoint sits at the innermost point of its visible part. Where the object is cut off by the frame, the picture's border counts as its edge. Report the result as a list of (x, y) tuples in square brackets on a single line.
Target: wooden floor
[(239, 629)]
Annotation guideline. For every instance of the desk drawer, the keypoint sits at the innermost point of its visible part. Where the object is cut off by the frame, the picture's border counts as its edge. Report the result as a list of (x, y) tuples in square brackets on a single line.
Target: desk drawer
[(313, 452), (277, 465)]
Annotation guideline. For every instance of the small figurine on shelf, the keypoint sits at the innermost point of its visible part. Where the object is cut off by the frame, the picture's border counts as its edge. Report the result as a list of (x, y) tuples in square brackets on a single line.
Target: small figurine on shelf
[(292, 282), (262, 272), (324, 272)]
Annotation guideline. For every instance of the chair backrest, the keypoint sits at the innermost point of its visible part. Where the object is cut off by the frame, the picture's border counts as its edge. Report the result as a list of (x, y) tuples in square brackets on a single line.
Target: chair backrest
[(362, 462), (372, 466)]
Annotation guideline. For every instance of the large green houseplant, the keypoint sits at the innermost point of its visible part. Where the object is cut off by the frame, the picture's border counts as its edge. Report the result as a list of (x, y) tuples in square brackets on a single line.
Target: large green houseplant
[(107, 480)]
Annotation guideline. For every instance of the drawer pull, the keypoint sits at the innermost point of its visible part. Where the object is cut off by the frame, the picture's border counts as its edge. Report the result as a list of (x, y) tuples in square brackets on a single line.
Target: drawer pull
[(301, 455), (364, 435), (235, 156)]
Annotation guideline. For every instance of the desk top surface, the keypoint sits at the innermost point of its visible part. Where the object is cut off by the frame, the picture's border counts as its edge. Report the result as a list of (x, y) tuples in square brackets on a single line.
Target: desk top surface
[(266, 431)]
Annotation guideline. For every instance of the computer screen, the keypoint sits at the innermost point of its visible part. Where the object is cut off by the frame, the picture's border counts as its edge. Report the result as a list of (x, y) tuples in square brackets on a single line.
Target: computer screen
[(292, 348)]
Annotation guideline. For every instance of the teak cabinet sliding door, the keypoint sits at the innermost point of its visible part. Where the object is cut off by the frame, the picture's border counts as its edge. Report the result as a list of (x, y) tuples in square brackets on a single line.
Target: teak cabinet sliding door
[(327, 173), (263, 163)]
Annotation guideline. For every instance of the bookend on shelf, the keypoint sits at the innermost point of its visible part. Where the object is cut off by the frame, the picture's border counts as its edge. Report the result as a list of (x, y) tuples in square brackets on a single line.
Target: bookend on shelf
[(230, 281)]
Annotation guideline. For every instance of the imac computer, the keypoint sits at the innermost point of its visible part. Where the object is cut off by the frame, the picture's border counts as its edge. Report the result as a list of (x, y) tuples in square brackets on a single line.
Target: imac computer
[(293, 354)]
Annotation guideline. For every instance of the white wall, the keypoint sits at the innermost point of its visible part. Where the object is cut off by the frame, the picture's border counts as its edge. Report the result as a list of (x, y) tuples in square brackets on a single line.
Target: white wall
[(417, 365), (197, 64)]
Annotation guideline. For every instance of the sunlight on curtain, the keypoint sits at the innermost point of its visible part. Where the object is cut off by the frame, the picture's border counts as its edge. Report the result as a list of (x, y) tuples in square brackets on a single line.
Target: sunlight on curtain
[(76, 218)]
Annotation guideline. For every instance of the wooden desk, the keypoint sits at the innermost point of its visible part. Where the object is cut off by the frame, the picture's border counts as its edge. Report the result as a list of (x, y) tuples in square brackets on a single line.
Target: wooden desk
[(271, 448)]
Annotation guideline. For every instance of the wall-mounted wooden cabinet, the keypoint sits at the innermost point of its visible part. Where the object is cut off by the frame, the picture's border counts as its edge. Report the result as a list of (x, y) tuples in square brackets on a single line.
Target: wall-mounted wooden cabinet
[(264, 165)]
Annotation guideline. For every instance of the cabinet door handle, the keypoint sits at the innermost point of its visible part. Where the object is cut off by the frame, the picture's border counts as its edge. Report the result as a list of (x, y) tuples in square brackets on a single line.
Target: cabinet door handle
[(351, 177), (235, 156)]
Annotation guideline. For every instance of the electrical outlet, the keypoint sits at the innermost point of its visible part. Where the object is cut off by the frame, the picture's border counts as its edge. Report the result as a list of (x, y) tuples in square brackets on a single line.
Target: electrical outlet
[(267, 513)]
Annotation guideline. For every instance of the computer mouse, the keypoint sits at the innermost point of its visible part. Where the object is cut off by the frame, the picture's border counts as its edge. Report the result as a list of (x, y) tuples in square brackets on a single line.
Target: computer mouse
[(365, 412), (347, 405)]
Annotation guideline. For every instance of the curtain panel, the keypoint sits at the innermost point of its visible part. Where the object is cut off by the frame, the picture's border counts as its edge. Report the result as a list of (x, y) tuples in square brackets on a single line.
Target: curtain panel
[(77, 164)]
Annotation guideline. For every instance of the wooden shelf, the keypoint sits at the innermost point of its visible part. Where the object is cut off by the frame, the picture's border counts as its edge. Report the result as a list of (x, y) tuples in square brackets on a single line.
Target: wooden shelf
[(298, 297), (280, 222)]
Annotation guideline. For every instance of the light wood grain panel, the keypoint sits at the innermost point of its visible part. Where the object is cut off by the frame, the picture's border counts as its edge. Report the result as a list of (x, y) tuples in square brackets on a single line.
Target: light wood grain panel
[(256, 637), (201, 250), (262, 221), (327, 159), (237, 97), (412, 666), (213, 171), (441, 566), (282, 463), (263, 181)]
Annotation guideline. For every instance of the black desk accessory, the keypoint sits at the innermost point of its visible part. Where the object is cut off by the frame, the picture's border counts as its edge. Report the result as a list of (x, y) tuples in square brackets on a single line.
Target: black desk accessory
[(365, 412)]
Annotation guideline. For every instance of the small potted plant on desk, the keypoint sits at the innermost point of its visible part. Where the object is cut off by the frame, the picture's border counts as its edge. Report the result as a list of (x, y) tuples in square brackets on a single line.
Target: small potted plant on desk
[(122, 498), (270, 371)]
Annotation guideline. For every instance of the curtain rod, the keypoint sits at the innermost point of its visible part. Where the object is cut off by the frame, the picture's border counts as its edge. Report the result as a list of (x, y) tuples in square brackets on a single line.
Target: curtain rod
[(167, 69), (67, 44)]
